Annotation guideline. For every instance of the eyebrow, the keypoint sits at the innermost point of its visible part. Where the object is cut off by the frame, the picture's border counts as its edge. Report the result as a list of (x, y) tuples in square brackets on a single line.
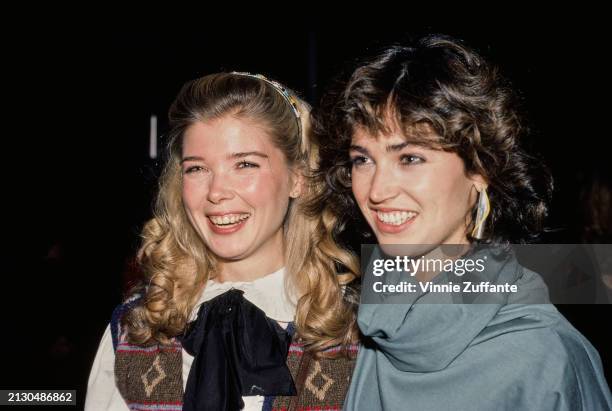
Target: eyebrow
[(397, 147), (230, 156), (390, 148), (360, 149), (246, 154), (191, 158)]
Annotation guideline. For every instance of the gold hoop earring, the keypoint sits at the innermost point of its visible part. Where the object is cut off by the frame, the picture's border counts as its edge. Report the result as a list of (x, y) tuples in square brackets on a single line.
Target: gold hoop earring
[(482, 212)]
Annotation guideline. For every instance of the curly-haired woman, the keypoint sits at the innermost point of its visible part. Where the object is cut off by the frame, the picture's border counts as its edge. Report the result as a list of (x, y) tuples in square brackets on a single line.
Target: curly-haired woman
[(424, 141), (234, 265)]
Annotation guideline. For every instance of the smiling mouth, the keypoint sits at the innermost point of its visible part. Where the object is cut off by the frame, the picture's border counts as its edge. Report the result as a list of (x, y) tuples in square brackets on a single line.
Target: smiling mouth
[(228, 220), (395, 218)]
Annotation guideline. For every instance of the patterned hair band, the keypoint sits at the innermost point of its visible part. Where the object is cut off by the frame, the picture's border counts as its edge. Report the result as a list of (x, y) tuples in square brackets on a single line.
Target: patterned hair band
[(289, 98)]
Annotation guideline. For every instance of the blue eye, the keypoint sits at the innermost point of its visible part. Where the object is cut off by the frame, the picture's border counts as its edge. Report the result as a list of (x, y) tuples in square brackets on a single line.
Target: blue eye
[(359, 161), (247, 164), (411, 159)]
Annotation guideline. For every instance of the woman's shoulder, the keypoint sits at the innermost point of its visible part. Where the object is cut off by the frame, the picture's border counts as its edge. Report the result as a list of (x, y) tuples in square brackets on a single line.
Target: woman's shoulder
[(539, 326), (539, 329), (538, 341)]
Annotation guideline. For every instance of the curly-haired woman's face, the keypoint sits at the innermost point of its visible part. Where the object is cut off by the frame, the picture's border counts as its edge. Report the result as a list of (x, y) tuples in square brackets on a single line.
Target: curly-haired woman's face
[(409, 193), (236, 189)]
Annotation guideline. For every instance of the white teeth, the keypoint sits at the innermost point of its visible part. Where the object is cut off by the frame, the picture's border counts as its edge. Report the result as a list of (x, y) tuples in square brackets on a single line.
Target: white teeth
[(395, 217), (228, 219)]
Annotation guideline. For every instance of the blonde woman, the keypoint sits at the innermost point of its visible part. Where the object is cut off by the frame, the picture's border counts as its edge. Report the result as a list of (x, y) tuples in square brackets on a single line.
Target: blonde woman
[(241, 306)]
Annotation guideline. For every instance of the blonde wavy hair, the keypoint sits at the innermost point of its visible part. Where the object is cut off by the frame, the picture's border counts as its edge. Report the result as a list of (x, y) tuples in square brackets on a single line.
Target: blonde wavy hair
[(177, 264)]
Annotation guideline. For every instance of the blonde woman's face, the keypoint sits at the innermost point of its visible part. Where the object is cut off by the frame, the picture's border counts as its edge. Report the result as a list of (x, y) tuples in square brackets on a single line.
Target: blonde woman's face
[(236, 188), (411, 194)]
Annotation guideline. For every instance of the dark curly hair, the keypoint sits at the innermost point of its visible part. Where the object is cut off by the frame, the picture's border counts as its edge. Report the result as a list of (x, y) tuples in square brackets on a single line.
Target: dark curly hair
[(442, 83)]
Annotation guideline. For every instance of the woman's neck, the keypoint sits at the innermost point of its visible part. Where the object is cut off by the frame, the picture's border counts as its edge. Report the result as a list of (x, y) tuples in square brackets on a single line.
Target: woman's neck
[(263, 262), (239, 273)]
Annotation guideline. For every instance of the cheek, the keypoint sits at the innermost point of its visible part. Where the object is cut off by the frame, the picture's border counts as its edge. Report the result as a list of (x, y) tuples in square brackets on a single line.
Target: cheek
[(265, 190), (448, 182), (453, 197), (191, 193), (360, 185), (191, 204)]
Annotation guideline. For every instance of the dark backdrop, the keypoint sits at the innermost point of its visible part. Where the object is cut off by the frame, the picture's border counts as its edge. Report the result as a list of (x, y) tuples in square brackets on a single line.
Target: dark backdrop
[(79, 181)]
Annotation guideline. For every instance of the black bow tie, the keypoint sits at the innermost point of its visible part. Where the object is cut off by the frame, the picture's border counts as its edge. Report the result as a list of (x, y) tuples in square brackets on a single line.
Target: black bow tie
[(238, 352)]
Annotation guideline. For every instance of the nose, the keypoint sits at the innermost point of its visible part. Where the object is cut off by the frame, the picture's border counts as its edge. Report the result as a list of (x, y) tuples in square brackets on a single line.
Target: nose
[(219, 189), (384, 186)]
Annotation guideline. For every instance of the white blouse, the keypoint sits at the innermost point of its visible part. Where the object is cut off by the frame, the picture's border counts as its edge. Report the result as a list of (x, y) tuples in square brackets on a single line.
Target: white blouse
[(267, 293)]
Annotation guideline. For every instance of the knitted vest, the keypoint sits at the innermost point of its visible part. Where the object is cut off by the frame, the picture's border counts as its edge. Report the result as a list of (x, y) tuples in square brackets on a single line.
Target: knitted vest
[(149, 377)]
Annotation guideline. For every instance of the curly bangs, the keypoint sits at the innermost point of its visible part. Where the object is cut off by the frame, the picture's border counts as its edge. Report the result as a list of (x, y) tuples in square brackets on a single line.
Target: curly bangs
[(472, 109)]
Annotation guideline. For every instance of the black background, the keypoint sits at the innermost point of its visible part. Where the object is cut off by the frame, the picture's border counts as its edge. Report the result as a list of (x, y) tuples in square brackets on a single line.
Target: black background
[(78, 182)]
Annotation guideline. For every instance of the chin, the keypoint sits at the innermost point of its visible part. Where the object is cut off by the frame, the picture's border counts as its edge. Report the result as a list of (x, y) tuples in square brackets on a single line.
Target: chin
[(406, 249), (228, 253), (397, 239)]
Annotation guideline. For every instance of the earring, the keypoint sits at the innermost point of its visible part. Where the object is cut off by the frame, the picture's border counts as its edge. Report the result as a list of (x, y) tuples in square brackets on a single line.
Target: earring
[(482, 212)]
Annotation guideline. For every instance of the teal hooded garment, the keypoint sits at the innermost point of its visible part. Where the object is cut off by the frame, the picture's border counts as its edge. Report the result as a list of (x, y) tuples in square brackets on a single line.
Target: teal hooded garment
[(510, 354)]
